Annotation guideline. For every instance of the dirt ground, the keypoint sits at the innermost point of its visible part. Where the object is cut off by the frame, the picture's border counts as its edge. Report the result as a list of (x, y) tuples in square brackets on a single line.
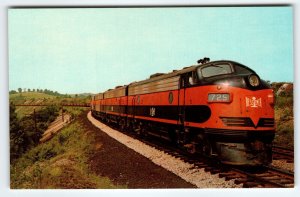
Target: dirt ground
[(126, 167)]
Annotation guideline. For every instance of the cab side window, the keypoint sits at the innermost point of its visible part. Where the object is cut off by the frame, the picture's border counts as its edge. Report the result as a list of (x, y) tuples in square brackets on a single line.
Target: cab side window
[(188, 80), (242, 70)]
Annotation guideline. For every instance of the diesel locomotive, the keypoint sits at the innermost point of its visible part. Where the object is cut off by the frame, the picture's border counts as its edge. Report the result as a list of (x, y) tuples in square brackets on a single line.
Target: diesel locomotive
[(219, 108)]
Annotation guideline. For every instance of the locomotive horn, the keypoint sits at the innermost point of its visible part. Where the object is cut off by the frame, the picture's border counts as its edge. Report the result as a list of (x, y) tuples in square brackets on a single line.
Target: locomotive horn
[(203, 61)]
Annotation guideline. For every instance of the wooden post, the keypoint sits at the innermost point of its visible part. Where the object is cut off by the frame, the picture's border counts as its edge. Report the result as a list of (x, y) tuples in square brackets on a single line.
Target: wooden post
[(34, 118), (62, 113)]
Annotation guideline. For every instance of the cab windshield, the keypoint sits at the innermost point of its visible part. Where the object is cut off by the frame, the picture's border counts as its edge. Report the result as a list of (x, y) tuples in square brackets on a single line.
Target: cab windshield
[(214, 70)]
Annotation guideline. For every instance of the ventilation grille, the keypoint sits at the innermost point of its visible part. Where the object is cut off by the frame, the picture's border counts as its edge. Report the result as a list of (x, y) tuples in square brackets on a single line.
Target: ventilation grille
[(247, 122), (237, 122), (266, 122)]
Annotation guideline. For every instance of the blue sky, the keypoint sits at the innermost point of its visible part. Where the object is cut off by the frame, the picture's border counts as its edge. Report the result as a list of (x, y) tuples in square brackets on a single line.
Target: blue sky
[(92, 50)]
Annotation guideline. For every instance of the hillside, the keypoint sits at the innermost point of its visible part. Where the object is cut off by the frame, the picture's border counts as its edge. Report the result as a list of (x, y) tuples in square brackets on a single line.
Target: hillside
[(61, 162), (284, 119), (29, 95), (284, 114), (36, 98), (48, 165)]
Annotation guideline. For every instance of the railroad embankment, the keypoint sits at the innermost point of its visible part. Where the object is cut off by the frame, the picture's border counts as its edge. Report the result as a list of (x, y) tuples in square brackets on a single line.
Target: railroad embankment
[(61, 162), (82, 156)]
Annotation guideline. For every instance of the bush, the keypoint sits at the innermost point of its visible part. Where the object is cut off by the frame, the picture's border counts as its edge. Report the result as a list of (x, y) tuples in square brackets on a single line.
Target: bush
[(24, 134), (284, 101)]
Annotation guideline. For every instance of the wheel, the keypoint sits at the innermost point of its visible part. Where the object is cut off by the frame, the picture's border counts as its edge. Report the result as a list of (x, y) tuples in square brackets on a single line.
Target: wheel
[(137, 128), (203, 145), (122, 125)]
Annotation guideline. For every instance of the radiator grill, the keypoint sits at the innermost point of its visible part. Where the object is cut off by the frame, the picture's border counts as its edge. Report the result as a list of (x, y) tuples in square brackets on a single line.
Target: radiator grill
[(266, 122), (246, 122)]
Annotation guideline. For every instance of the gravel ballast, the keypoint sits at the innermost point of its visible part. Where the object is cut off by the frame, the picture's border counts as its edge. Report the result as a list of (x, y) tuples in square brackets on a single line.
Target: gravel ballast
[(186, 171), (282, 164)]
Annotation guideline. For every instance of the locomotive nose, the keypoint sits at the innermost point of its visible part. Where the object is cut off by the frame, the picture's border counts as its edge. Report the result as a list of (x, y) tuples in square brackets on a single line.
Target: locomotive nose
[(253, 106), (258, 106)]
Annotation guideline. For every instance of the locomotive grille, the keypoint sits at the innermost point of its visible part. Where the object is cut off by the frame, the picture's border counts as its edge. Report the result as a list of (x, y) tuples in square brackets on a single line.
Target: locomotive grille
[(247, 122), (238, 122), (266, 122)]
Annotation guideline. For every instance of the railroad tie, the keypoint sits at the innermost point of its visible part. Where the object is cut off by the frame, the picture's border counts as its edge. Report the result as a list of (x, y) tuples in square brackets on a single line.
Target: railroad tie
[(240, 180), (250, 184), (224, 174)]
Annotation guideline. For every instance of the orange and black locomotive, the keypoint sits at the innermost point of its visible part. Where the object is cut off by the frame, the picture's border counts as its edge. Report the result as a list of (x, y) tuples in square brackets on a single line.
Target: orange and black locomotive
[(219, 108)]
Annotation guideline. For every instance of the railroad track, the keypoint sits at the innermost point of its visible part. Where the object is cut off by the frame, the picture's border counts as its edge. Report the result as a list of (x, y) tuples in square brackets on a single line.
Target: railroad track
[(281, 153), (262, 177)]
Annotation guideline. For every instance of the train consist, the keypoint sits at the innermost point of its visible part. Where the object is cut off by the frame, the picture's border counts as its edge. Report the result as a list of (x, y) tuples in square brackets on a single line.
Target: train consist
[(219, 108)]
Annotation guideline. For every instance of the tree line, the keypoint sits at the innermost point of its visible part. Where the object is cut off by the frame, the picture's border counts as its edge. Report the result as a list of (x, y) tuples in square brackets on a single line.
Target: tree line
[(45, 91)]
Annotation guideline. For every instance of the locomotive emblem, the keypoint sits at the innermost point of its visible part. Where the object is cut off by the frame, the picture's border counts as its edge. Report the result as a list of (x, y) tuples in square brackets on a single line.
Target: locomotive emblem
[(152, 111), (253, 102)]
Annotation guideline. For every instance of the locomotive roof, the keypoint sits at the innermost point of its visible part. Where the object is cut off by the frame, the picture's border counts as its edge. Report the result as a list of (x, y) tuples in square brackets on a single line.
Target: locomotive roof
[(166, 75), (161, 76), (179, 72), (115, 89)]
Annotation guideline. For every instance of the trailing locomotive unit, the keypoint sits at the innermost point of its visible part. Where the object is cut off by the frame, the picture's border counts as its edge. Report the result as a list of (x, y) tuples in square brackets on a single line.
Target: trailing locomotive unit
[(217, 108)]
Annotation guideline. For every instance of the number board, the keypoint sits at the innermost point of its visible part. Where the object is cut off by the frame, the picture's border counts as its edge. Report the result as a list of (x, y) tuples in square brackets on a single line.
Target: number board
[(218, 97)]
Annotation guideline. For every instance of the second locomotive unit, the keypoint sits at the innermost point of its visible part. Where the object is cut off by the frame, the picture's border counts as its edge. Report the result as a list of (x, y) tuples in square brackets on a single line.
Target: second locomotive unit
[(219, 108)]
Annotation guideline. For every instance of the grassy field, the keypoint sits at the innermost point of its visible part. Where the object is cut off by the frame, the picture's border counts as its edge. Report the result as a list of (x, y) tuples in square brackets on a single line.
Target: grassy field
[(59, 163), (29, 95), (29, 98), (40, 98)]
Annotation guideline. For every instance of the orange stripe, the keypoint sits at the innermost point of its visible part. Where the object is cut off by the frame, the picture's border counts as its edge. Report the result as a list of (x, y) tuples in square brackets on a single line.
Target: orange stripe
[(157, 119), (117, 114)]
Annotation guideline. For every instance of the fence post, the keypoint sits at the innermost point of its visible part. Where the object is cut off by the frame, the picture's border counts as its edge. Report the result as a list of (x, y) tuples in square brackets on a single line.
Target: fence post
[(34, 118), (62, 113)]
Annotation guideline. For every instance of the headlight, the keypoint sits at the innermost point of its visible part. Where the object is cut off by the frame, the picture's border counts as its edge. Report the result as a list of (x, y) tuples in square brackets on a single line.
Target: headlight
[(254, 80)]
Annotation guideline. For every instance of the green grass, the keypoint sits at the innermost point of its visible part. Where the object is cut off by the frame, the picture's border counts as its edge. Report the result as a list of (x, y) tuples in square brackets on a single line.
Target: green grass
[(75, 111), (61, 162), (30, 98), (30, 95)]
